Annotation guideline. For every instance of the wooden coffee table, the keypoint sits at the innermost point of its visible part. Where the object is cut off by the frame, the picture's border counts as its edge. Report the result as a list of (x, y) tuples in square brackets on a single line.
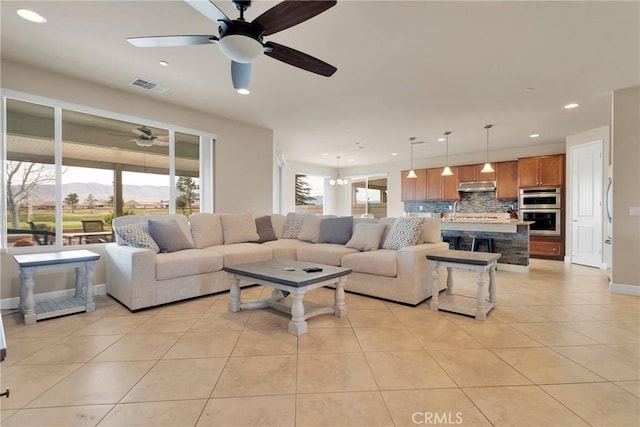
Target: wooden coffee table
[(288, 275)]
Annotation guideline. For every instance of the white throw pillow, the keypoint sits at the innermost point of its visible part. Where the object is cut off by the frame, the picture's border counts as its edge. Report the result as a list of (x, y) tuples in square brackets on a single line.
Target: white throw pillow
[(404, 232), (293, 225), (430, 231), (239, 228), (366, 237), (137, 235)]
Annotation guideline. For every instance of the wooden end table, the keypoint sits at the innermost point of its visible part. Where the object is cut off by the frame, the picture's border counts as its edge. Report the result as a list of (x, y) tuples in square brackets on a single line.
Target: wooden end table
[(479, 262), (288, 275), (84, 263)]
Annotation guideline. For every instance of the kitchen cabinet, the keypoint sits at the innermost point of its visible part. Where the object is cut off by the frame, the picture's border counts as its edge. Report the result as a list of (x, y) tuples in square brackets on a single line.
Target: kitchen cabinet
[(547, 247), (545, 171), (442, 187), (471, 173), (506, 180), (414, 189)]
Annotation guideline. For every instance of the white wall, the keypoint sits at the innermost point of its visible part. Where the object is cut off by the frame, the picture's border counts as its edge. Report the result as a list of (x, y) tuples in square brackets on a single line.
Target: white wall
[(599, 134)]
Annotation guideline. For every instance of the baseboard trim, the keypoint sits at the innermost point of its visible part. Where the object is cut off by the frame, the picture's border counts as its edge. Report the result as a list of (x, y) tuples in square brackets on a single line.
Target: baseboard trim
[(13, 303), (621, 288)]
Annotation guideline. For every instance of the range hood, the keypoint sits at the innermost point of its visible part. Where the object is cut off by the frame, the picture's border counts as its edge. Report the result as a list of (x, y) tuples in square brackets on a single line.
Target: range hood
[(469, 187)]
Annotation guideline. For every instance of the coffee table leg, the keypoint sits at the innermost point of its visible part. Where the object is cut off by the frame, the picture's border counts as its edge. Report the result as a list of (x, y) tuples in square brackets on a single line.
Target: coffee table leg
[(480, 314), (492, 284), (29, 304), (234, 300), (297, 325), (435, 285), (340, 307)]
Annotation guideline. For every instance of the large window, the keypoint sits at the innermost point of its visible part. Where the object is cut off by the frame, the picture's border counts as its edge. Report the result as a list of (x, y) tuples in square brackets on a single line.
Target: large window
[(66, 168), (309, 194)]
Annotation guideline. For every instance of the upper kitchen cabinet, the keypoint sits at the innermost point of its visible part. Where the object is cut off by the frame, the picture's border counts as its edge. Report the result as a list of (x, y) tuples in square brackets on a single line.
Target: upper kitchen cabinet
[(471, 173), (507, 180), (442, 187), (545, 171), (414, 189)]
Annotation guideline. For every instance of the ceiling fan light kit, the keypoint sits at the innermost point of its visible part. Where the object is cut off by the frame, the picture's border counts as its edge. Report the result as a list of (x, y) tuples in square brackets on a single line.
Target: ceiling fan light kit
[(242, 41)]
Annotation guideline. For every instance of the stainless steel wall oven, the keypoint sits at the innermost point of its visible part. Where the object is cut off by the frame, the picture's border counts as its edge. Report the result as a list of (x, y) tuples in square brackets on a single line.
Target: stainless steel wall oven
[(542, 206)]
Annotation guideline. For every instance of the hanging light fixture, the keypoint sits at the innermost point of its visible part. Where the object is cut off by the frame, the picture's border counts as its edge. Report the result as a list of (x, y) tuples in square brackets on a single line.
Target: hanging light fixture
[(412, 173), (487, 166), (337, 180), (447, 170)]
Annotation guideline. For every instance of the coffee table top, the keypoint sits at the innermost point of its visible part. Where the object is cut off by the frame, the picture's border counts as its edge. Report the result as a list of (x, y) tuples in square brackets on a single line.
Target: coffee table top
[(464, 257), (54, 258), (278, 271)]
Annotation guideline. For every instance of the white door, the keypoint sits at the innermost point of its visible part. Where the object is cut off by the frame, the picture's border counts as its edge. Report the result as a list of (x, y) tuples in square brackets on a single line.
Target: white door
[(586, 204)]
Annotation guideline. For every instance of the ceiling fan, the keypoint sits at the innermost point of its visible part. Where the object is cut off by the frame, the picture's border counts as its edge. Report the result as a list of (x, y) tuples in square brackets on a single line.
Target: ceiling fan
[(242, 41), (146, 138)]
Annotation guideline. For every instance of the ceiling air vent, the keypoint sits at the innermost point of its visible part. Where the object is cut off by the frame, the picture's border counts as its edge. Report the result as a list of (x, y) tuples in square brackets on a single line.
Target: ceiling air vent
[(148, 85)]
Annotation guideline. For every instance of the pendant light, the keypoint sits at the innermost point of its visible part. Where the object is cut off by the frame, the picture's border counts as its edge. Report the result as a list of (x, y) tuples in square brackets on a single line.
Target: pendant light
[(447, 170), (487, 166), (412, 173), (337, 180)]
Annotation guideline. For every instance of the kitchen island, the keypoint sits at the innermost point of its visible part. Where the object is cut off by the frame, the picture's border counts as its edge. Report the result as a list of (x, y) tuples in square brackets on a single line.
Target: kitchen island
[(510, 237)]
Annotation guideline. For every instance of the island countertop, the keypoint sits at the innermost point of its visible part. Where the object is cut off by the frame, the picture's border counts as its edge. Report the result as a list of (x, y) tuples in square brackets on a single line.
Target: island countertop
[(498, 226)]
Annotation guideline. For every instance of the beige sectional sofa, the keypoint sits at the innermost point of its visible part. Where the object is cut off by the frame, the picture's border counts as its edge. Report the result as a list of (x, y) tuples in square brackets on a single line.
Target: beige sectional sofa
[(140, 278)]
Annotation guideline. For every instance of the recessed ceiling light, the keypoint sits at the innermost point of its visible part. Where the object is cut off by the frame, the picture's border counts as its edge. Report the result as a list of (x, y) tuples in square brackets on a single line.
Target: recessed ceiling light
[(164, 63), (325, 154), (394, 154), (534, 135), (31, 16), (529, 89), (440, 140), (352, 160), (570, 106), (244, 91)]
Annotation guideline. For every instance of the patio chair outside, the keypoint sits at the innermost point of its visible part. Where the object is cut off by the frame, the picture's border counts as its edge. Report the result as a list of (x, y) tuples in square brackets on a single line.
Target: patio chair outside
[(93, 226)]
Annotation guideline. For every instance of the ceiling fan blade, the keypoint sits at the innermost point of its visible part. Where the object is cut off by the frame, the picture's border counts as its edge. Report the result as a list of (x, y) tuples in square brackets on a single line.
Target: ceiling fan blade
[(298, 59), (289, 13), (139, 132), (240, 74), (210, 11), (169, 41)]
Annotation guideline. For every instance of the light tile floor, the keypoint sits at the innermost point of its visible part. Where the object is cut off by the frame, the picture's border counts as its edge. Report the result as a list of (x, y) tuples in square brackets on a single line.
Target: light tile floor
[(558, 349)]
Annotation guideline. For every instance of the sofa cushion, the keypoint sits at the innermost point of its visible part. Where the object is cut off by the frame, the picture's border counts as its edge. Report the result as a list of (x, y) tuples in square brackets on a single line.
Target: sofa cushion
[(265, 230), (278, 221), (404, 232), (381, 263), (286, 248), (336, 230), (310, 229), (240, 253), (388, 221), (293, 225), (366, 237), (169, 235), (185, 263), (430, 231), (239, 228), (136, 235), (206, 229), (324, 253)]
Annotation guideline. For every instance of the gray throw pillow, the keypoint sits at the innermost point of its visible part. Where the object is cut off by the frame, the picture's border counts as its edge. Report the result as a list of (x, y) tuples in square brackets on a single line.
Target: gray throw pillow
[(266, 233), (136, 235), (336, 230), (168, 235)]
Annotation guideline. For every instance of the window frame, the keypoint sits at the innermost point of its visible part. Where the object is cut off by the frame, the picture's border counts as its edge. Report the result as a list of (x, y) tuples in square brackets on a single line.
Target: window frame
[(206, 160)]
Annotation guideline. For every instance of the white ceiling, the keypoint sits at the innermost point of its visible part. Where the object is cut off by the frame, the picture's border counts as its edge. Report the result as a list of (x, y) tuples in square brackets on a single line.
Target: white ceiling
[(415, 68)]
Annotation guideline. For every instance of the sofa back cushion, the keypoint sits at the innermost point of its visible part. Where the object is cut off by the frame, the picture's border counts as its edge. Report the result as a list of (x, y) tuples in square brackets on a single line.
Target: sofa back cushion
[(430, 231), (336, 230), (206, 230), (239, 228), (278, 221)]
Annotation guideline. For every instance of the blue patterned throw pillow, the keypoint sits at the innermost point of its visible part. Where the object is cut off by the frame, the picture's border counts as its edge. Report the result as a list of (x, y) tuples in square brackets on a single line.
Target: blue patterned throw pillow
[(404, 232), (137, 235)]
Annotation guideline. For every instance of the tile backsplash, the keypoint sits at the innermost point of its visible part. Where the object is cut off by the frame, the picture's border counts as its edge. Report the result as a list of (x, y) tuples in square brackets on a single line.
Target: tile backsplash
[(484, 201)]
